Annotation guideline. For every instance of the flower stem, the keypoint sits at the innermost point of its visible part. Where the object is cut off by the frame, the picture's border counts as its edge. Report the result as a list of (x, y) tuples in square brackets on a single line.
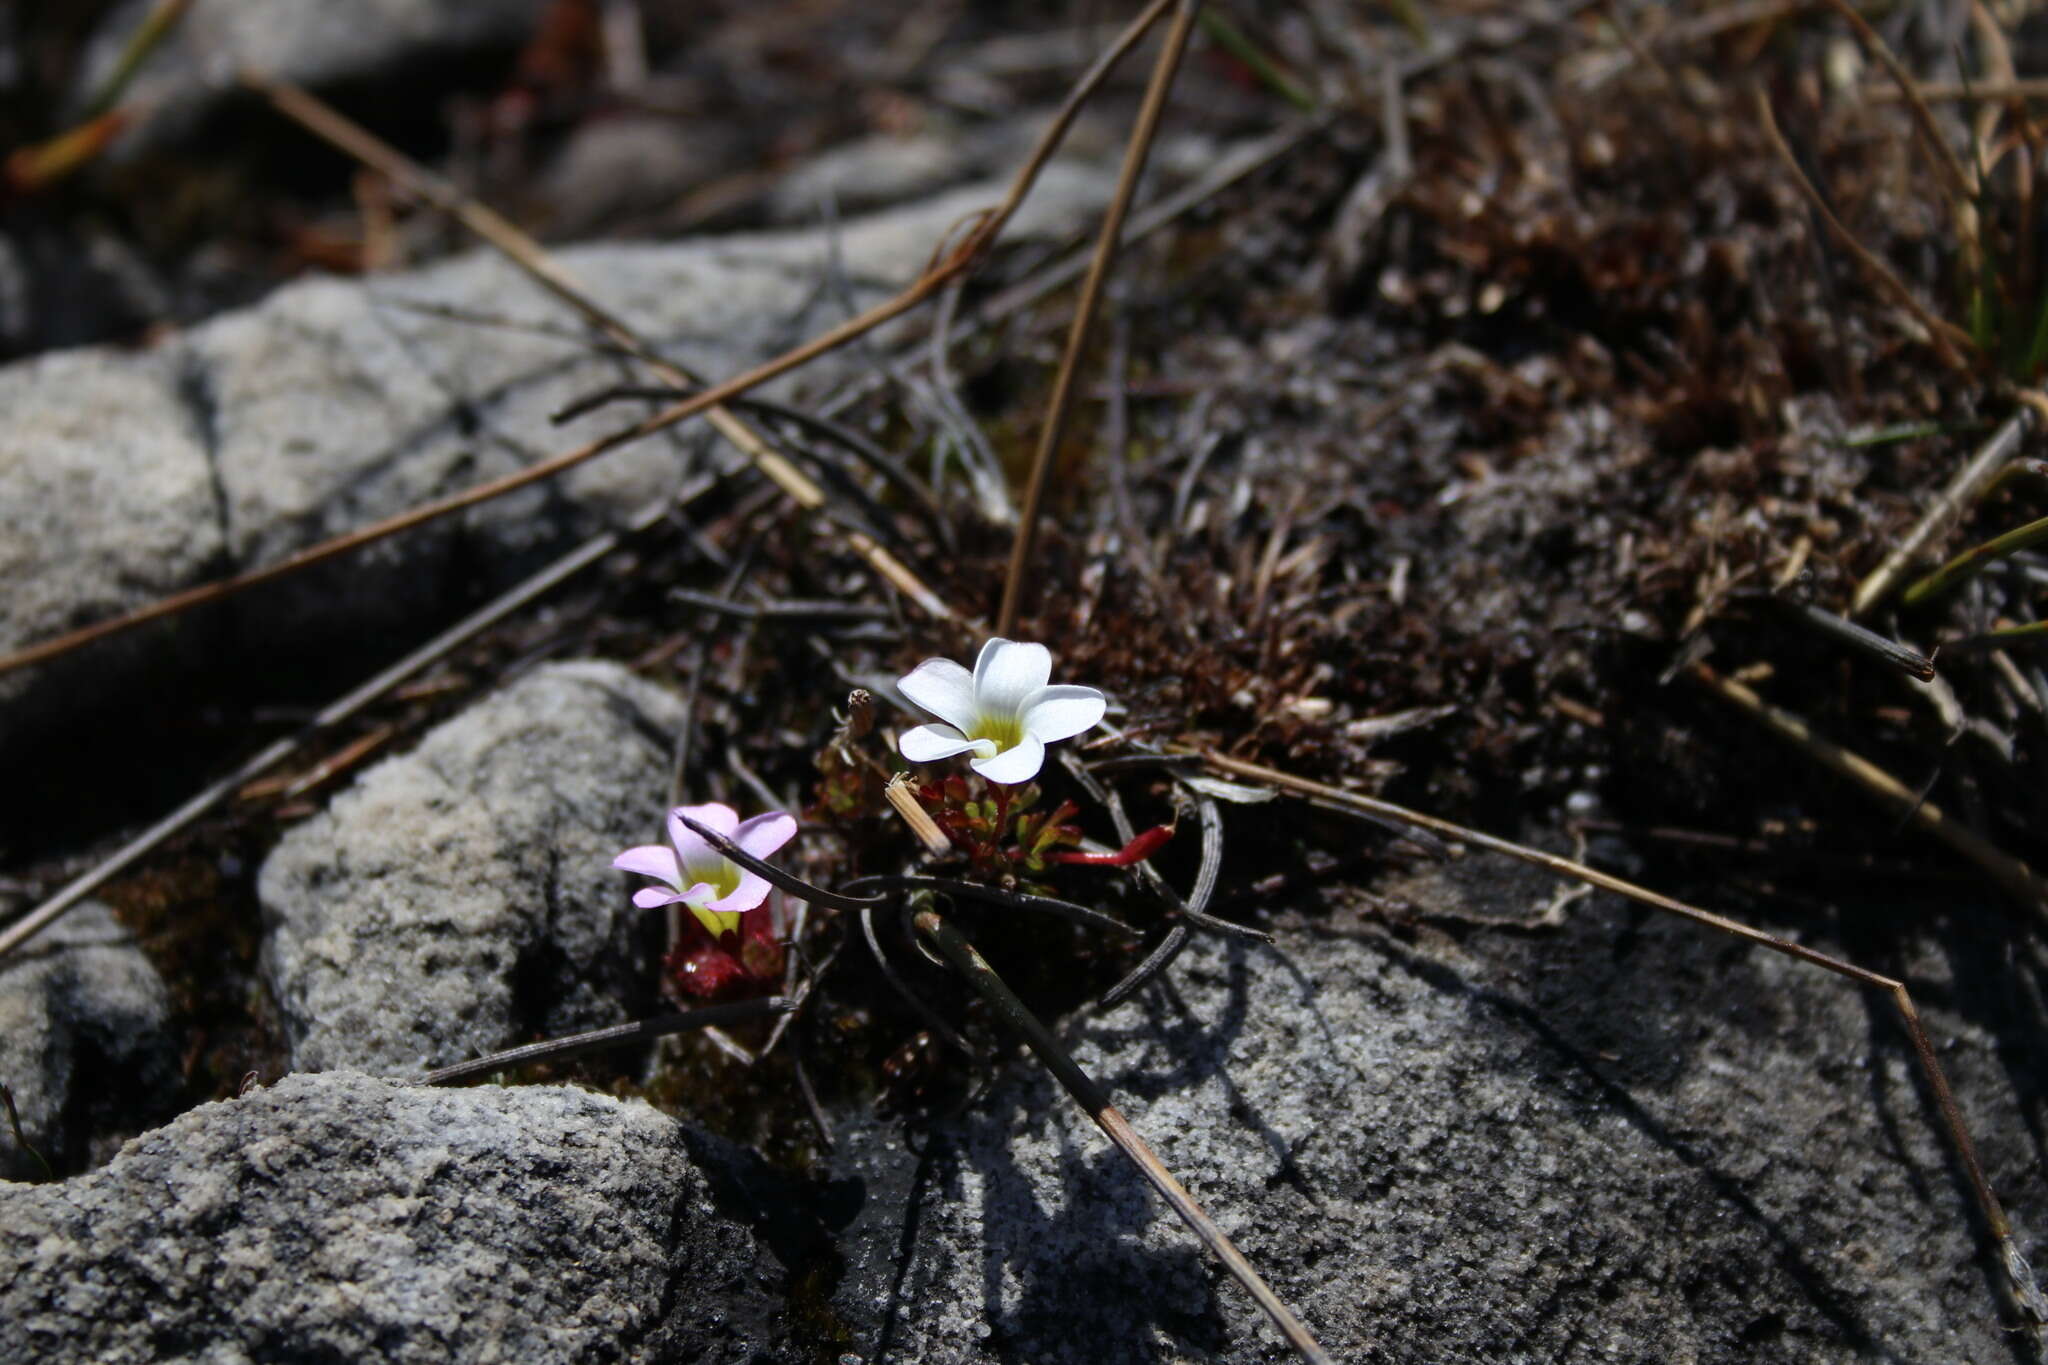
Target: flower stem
[(999, 828), (1136, 851)]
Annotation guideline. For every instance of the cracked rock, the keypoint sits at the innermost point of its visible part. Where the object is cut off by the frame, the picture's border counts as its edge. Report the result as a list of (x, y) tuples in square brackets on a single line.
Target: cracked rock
[(1622, 1141), (84, 1044), (460, 898), (339, 1217)]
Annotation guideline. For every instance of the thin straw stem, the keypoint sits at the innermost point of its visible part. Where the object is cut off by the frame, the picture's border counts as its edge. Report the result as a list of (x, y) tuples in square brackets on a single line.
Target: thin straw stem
[(1951, 343), (524, 252), (2018, 880), (1974, 561), (1970, 482)]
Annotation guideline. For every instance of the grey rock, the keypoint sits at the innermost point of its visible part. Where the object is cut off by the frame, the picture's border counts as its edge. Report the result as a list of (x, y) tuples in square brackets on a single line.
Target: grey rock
[(882, 169), (334, 403), (614, 171), (1626, 1140), (84, 1040), (307, 42), (460, 898), (338, 402), (337, 1217), (107, 501), (869, 172)]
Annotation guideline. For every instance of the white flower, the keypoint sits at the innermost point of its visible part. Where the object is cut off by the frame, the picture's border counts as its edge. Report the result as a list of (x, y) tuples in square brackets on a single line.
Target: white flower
[(1004, 713)]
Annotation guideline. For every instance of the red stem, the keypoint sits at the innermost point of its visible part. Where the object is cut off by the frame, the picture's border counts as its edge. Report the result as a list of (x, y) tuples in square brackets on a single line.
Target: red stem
[(1136, 851)]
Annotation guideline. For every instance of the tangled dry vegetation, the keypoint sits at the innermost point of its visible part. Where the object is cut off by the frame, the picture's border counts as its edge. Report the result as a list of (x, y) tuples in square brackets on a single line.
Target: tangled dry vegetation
[(1510, 458)]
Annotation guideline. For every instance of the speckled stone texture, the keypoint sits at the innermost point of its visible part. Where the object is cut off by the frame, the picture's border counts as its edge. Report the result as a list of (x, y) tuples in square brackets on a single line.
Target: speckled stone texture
[(84, 1040), (460, 898), (1623, 1139), (339, 1218), (107, 502)]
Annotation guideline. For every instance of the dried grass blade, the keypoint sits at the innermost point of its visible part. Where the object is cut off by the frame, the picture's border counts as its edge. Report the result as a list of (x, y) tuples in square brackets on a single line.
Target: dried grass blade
[(1061, 401), (2015, 877), (1974, 561), (1970, 482), (524, 252)]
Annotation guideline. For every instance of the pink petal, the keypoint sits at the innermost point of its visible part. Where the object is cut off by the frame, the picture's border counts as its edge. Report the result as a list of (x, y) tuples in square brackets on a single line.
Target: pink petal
[(763, 834), (1062, 711), (1006, 674), (712, 816), (651, 860), (1019, 763), (647, 897), (715, 816), (943, 688), (752, 890)]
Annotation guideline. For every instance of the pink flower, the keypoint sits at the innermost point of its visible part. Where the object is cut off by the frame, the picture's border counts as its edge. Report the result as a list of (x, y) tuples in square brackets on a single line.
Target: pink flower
[(695, 874)]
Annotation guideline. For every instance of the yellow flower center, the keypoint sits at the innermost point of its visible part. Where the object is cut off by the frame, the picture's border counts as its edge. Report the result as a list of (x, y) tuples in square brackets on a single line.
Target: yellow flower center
[(722, 876), (1005, 732), (717, 923)]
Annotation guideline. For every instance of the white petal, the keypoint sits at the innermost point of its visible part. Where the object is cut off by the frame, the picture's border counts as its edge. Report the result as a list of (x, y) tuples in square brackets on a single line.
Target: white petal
[(943, 688), (1006, 675), (1062, 711), (1019, 763), (930, 743)]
